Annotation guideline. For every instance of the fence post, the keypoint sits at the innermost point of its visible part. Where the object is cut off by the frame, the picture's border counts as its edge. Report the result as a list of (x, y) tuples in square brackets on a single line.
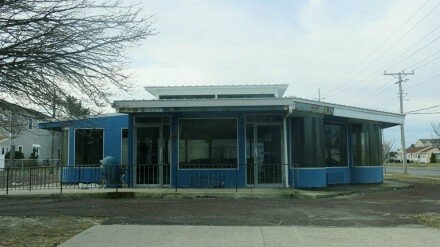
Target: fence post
[(176, 175), (7, 180), (30, 178), (61, 180), (79, 176), (236, 178)]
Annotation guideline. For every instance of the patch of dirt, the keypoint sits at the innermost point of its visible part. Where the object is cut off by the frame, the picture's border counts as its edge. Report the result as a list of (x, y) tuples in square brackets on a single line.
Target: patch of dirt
[(429, 219), (41, 231)]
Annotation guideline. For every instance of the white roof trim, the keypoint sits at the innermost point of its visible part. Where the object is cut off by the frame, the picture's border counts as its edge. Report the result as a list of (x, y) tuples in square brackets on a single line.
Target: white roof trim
[(338, 110), (277, 89)]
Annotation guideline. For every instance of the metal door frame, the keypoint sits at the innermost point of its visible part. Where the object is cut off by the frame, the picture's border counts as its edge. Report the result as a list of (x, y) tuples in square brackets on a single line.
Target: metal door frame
[(160, 143), (255, 154)]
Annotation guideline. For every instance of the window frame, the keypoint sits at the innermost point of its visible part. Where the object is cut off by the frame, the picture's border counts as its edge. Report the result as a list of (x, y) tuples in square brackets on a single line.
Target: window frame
[(347, 144), (74, 146), (233, 166)]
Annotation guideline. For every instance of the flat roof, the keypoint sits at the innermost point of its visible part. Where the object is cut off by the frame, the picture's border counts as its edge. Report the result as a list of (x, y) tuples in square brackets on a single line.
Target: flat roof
[(291, 104), (277, 90)]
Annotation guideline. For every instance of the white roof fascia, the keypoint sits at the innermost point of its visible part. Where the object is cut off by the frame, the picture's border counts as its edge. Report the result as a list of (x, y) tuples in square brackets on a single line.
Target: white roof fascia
[(276, 89), (203, 103), (369, 115), (359, 113), (339, 111)]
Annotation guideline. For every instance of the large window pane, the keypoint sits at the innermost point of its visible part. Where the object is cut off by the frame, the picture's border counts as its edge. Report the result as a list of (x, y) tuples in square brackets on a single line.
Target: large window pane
[(367, 145), (210, 142), (88, 146), (124, 146), (307, 142), (335, 144)]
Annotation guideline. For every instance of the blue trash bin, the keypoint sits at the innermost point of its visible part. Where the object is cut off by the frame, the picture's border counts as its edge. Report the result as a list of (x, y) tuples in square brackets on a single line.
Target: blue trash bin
[(111, 172)]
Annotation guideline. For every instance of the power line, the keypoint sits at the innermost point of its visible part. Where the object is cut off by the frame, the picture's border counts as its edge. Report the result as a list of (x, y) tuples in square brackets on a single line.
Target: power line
[(421, 61), (376, 49), (394, 44), (423, 82), (412, 54), (427, 108), (423, 113)]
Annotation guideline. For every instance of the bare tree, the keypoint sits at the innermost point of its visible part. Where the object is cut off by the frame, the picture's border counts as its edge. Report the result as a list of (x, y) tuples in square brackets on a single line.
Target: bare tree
[(436, 133), (387, 149), (51, 50)]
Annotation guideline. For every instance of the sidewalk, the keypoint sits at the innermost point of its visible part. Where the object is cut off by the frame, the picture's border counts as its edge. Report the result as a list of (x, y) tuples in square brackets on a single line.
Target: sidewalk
[(211, 193), (146, 235)]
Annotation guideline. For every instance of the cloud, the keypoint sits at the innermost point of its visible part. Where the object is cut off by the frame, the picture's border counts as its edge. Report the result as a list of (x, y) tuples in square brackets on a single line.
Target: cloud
[(309, 44)]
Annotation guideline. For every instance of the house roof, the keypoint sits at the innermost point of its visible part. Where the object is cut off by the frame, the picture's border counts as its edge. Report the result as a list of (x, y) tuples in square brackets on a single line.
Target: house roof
[(60, 123), (290, 104), (414, 149), (5, 105), (427, 149), (432, 141)]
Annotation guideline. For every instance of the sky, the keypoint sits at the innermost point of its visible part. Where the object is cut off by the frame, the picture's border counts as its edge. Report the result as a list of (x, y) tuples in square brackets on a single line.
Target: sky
[(340, 48)]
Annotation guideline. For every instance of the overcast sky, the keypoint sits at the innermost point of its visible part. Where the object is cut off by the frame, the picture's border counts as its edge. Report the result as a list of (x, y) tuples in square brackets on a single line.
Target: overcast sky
[(340, 47)]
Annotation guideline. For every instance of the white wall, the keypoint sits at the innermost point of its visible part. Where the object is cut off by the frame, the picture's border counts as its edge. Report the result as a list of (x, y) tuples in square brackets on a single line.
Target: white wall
[(34, 136)]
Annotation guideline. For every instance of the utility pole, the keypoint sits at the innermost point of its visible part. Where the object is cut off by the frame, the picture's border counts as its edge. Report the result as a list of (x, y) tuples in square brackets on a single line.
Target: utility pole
[(402, 126)]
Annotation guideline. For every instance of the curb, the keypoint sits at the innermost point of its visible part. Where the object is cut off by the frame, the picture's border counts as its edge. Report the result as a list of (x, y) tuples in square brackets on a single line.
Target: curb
[(281, 194)]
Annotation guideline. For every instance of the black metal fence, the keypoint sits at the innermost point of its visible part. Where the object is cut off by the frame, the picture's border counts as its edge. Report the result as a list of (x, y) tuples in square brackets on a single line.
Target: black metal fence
[(143, 176)]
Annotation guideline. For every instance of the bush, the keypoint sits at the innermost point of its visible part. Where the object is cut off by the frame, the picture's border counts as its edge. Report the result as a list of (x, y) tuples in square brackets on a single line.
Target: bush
[(18, 155), (432, 159)]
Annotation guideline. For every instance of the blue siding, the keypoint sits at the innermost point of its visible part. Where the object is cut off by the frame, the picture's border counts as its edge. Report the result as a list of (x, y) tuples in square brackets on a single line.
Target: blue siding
[(298, 177), (367, 175), (112, 126)]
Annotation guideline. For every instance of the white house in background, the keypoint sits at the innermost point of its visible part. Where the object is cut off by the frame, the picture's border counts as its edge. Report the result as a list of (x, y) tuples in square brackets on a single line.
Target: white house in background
[(31, 139), (427, 143), (422, 150)]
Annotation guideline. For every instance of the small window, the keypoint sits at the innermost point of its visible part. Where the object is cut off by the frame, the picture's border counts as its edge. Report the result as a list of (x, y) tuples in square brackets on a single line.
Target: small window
[(35, 151), (30, 124), (89, 145), (3, 150)]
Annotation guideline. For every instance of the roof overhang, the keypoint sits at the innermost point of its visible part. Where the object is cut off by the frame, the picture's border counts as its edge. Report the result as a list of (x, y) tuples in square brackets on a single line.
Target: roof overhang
[(290, 105), (277, 90)]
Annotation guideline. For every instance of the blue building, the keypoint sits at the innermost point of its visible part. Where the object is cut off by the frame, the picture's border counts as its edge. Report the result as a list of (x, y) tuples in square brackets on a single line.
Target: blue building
[(227, 136)]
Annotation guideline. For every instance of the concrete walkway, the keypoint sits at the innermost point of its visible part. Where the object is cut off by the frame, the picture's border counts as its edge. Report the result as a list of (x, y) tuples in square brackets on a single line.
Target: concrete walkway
[(142, 235), (74, 191)]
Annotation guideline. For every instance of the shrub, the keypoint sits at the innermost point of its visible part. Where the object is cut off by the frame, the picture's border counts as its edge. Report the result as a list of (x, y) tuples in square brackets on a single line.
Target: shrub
[(432, 159), (18, 155)]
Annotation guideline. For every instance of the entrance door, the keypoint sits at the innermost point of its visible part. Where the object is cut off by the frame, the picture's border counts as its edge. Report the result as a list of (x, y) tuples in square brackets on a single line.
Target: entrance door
[(150, 167), (265, 145)]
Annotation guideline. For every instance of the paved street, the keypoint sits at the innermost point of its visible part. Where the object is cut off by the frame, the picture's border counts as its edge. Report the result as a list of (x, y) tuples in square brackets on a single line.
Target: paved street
[(194, 236), (417, 171)]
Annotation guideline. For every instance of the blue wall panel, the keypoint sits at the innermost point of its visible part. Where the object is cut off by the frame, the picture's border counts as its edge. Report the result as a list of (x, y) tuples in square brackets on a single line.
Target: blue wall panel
[(366, 175), (308, 177), (338, 175)]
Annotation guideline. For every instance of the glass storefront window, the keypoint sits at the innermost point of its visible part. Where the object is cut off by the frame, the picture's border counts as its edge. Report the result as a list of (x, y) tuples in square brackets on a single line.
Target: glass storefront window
[(367, 144), (307, 142), (335, 145), (208, 142)]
